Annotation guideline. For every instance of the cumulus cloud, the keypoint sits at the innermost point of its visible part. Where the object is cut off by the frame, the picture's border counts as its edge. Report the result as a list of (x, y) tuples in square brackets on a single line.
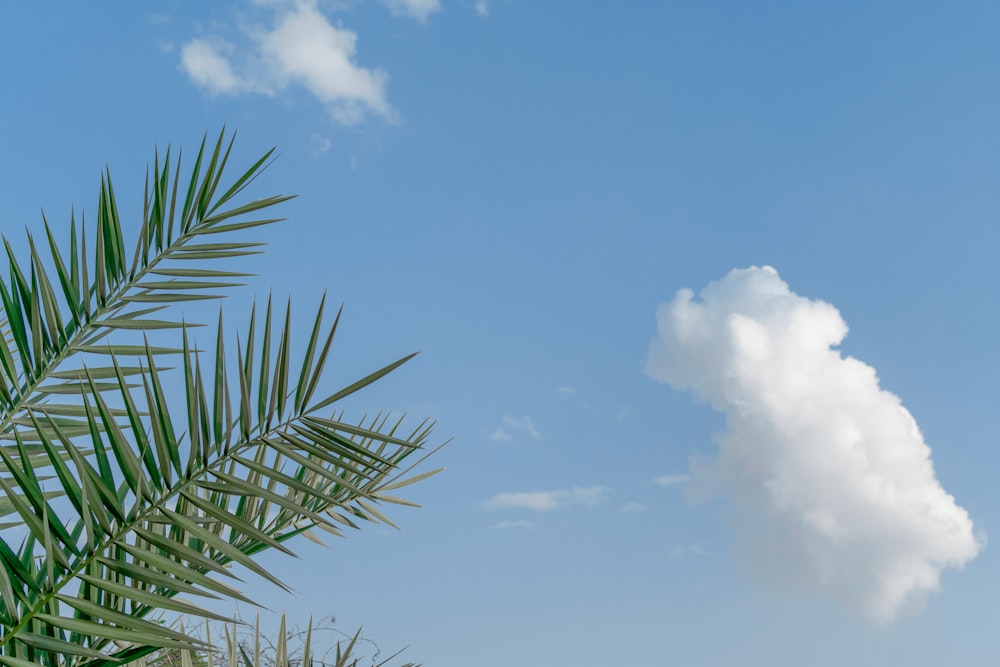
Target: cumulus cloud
[(832, 484), (417, 9), (546, 501), (302, 48), (209, 66)]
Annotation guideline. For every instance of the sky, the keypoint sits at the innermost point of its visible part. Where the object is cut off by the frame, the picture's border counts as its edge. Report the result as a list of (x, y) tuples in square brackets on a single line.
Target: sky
[(704, 294)]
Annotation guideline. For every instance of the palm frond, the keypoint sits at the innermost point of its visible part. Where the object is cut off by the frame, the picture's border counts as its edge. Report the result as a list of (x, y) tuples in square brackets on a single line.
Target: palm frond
[(79, 304), (130, 503), (289, 647)]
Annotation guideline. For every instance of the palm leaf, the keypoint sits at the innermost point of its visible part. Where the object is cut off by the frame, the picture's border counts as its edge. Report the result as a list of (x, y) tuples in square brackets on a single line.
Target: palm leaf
[(286, 648), (54, 312), (128, 499)]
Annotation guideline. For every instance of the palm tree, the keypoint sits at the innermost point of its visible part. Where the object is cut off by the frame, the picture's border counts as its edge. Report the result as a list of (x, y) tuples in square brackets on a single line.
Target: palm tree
[(127, 502)]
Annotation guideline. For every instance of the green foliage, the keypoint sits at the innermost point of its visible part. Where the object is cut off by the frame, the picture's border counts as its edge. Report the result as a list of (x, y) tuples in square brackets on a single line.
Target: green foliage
[(289, 648), (126, 502)]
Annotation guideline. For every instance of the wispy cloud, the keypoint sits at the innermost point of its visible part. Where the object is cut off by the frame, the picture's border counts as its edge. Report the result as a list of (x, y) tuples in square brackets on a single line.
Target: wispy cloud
[(565, 391), (500, 435), (671, 480), (589, 495), (546, 501), (301, 49), (513, 524), (319, 144), (624, 412), (416, 9), (525, 425), (822, 465), (632, 506), (538, 501), (482, 8), (681, 552)]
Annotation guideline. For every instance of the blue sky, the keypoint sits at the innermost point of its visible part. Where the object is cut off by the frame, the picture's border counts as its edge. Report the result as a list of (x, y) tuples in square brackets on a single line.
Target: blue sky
[(514, 188)]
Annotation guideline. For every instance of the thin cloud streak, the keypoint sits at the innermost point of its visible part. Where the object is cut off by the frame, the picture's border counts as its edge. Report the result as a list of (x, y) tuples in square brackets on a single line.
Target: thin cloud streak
[(546, 501), (632, 506), (415, 9), (666, 481)]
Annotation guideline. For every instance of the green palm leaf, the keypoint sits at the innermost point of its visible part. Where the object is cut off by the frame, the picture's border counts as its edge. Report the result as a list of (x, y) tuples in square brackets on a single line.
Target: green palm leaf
[(126, 499), (286, 648), (47, 319)]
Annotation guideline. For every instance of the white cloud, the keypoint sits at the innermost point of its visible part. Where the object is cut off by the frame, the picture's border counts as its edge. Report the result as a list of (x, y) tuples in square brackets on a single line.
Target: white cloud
[(632, 506), (680, 552), (513, 524), (589, 496), (417, 9), (482, 8), (538, 501), (524, 424), (319, 144), (500, 435), (565, 391), (671, 480), (303, 49), (832, 483), (209, 68), (546, 501)]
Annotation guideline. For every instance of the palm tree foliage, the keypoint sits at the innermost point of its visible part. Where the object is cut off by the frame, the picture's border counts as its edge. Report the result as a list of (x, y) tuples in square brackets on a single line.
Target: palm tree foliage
[(290, 647), (127, 504)]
